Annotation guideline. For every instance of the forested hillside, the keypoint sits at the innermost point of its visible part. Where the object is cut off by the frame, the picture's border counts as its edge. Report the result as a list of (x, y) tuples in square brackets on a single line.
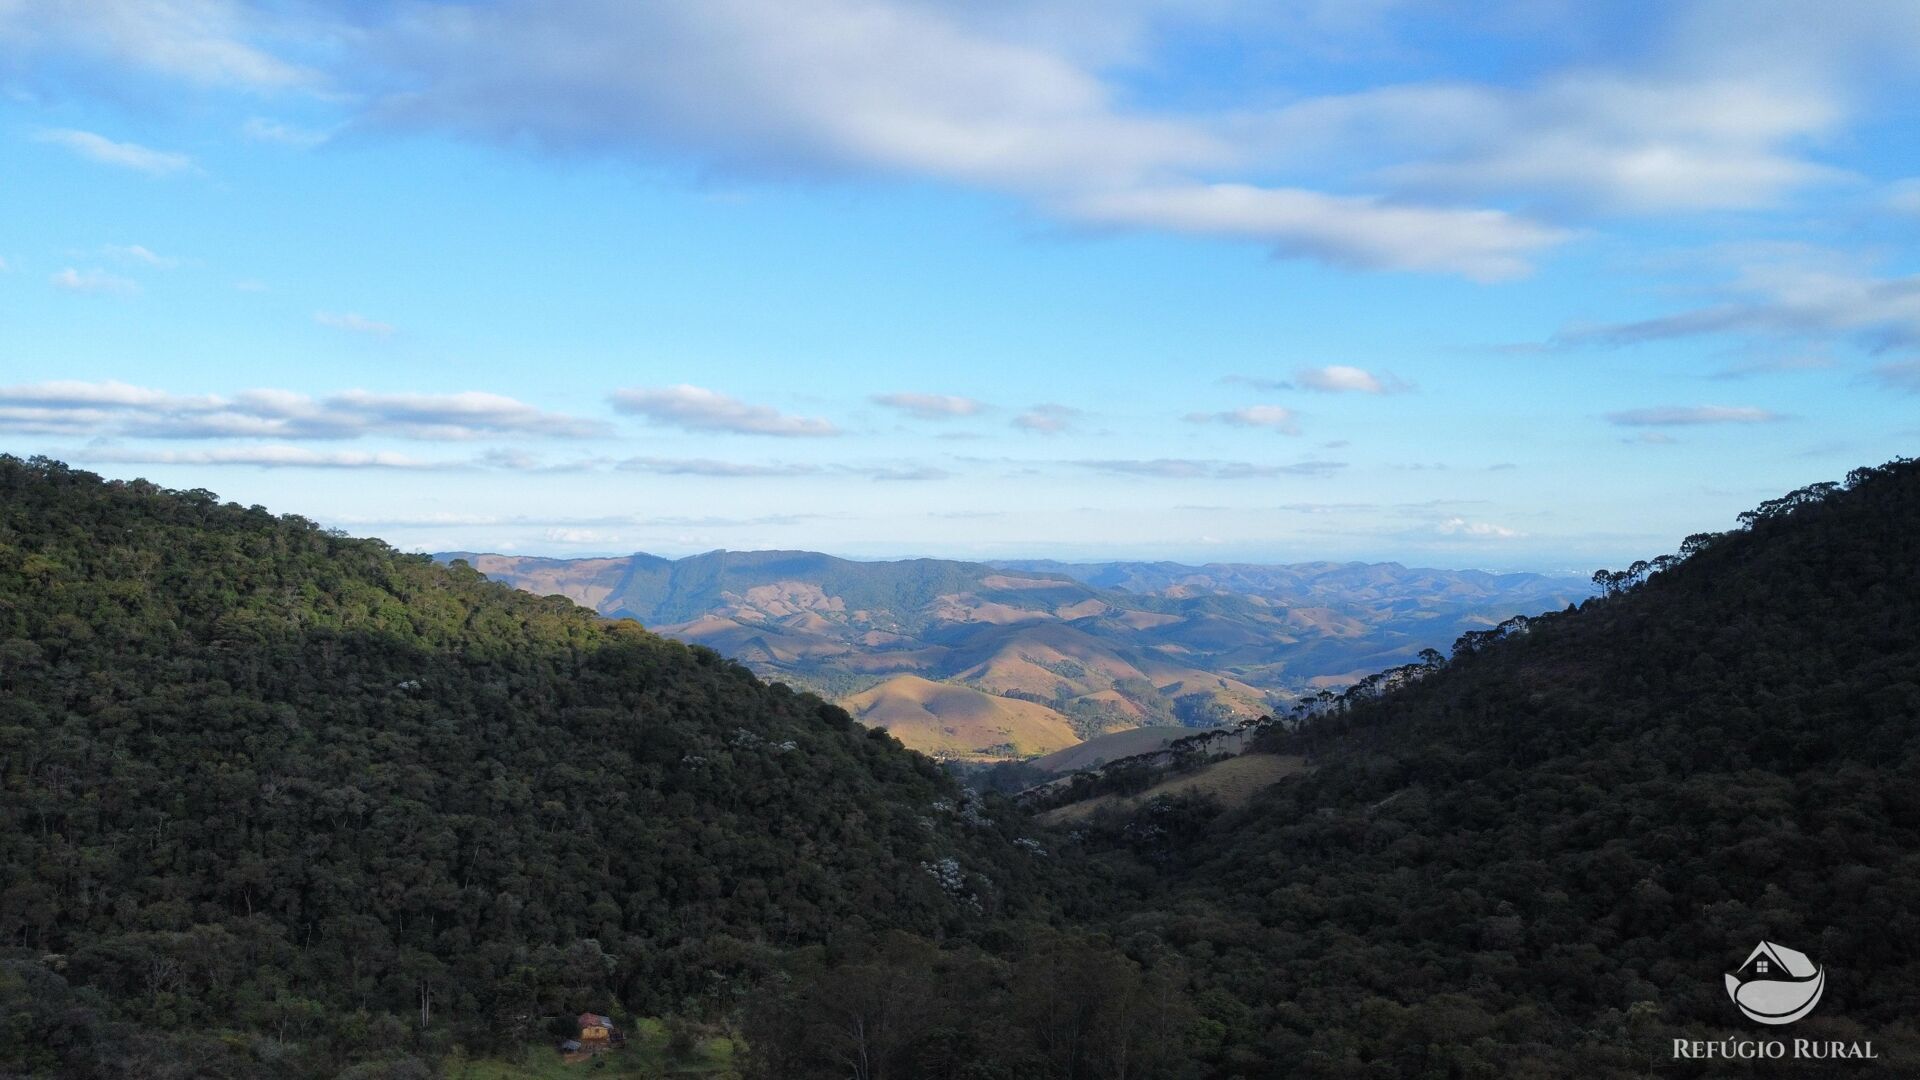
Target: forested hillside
[(276, 801), (281, 803), (1538, 856)]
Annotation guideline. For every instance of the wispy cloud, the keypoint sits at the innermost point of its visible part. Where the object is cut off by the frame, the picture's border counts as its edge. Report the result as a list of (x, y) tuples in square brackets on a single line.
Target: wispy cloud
[(931, 406), (1457, 526), (897, 473), (1902, 375), (1326, 508), (712, 468), (206, 42), (121, 409), (607, 521), (1791, 293), (1353, 231), (695, 408), (738, 470), (1452, 175), (1774, 365), (1689, 415), (938, 91), (124, 155), (1272, 417), (1904, 197), (93, 281), (1588, 140), (266, 457), (1048, 419), (354, 323), (1345, 379), (458, 520), (261, 130), (144, 256), (1199, 469)]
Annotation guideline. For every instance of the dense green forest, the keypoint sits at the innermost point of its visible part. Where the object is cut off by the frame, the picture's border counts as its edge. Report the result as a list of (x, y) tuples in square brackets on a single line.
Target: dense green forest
[(282, 803), (1537, 857), (278, 801)]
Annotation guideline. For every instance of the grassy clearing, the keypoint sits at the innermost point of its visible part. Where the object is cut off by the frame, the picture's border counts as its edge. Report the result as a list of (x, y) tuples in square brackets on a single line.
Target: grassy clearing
[(645, 1055), (1232, 781)]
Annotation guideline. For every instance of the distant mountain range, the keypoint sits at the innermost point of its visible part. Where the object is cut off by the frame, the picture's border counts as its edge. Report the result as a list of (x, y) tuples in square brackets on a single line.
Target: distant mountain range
[(1012, 659)]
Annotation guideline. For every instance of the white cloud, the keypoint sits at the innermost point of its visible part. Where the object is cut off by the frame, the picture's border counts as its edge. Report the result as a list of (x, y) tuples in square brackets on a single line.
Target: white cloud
[(120, 409), (1457, 526), (353, 323), (942, 91), (1344, 379), (201, 41), (1198, 469), (93, 281), (695, 408), (1274, 417), (1706, 105), (766, 84), (1354, 231), (977, 95), (580, 536), (897, 473), (931, 406), (135, 253), (710, 467), (456, 520), (1688, 415), (1793, 294), (1614, 142), (123, 155), (1048, 419), (435, 416), (267, 457)]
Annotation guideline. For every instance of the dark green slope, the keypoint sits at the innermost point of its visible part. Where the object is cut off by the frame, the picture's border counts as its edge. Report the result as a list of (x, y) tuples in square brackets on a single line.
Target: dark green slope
[(1539, 858), (265, 779)]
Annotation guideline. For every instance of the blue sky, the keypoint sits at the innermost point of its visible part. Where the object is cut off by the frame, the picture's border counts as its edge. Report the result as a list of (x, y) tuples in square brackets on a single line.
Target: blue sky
[(1505, 285)]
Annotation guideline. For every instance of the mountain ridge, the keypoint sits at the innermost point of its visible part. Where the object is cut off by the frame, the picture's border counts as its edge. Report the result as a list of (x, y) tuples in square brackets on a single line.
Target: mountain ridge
[(1139, 644)]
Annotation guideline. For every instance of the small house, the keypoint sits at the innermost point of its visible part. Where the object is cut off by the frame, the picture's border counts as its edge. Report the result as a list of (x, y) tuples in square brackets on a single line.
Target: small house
[(597, 1036), (595, 1028)]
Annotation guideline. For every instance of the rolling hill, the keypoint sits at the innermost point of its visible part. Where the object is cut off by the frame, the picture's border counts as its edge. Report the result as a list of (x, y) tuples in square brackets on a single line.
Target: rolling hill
[(279, 802), (958, 721), (1096, 648)]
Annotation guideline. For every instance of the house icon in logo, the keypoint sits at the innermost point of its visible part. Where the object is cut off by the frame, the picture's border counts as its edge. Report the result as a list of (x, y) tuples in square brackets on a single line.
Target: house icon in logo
[(1776, 985)]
